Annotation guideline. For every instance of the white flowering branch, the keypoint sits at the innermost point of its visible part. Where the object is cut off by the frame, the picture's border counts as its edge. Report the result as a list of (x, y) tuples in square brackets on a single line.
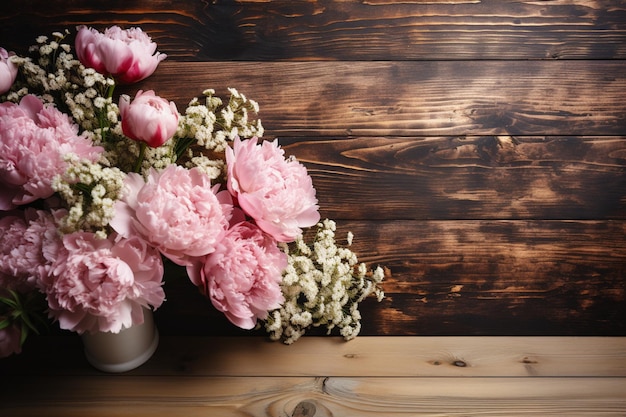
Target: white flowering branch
[(209, 125), (323, 286)]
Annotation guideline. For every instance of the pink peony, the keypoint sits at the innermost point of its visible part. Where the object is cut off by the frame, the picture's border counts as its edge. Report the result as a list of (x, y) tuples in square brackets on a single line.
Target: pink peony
[(29, 247), (277, 193), (242, 277), (127, 55), (103, 284), (10, 340), (176, 210), (33, 143), (149, 118), (8, 71)]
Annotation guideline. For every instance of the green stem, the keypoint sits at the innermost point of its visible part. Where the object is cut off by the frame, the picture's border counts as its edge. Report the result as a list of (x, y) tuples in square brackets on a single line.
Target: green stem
[(182, 144), (110, 90), (104, 121), (142, 151)]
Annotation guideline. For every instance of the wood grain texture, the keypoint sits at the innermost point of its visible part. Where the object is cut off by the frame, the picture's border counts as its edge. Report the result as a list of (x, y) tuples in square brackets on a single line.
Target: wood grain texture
[(331, 397), (513, 278), (368, 376), (456, 376), (487, 177), (335, 30), (415, 98), (399, 356)]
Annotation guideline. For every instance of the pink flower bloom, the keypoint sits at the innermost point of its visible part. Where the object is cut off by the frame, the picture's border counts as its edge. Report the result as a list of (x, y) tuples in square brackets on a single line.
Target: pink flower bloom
[(10, 340), (242, 277), (8, 71), (103, 284), (149, 118), (127, 55), (277, 193), (33, 142), (30, 245), (175, 210)]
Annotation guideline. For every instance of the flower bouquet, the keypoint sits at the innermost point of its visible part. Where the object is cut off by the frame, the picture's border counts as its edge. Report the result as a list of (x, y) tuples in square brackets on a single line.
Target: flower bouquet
[(98, 191)]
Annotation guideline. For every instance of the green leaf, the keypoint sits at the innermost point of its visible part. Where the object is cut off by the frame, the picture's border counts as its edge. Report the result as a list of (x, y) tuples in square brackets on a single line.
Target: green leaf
[(27, 322), (182, 144), (9, 302), (5, 323)]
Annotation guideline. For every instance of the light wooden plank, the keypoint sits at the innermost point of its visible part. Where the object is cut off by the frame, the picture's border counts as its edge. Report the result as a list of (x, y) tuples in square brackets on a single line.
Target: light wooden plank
[(276, 396), (362, 357), (397, 356)]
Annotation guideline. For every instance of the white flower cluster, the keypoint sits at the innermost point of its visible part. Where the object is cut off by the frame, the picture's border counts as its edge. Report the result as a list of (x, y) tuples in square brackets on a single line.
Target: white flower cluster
[(323, 285), (212, 124), (234, 117), (89, 108), (198, 122), (90, 191)]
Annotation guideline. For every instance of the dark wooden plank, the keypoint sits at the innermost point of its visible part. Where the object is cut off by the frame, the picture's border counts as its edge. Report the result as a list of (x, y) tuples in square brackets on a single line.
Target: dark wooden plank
[(415, 98), (485, 177), (466, 278), (497, 277), (320, 29)]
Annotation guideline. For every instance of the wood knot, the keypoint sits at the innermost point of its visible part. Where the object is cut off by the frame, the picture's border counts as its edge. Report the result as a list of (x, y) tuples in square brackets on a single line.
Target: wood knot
[(459, 363), (304, 409)]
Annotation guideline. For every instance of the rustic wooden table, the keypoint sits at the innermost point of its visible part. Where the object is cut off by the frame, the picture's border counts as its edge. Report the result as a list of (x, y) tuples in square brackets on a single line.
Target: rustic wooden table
[(325, 376), (476, 148)]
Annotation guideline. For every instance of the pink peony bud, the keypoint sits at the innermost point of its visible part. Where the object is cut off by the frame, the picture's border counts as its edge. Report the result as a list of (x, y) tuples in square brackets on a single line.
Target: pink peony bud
[(127, 55), (149, 118), (8, 71)]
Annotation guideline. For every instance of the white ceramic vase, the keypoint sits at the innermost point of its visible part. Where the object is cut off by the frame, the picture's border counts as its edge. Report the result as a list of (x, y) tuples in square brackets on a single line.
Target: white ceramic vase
[(123, 351)]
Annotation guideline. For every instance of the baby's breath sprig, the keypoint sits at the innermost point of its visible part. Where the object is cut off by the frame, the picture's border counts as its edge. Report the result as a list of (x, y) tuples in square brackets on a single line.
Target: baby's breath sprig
[(209, 125), (323, 285), (90, 191)]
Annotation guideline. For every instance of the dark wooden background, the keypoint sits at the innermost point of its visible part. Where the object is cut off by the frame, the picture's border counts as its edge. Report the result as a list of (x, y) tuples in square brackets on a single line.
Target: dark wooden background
[(476, 148)]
